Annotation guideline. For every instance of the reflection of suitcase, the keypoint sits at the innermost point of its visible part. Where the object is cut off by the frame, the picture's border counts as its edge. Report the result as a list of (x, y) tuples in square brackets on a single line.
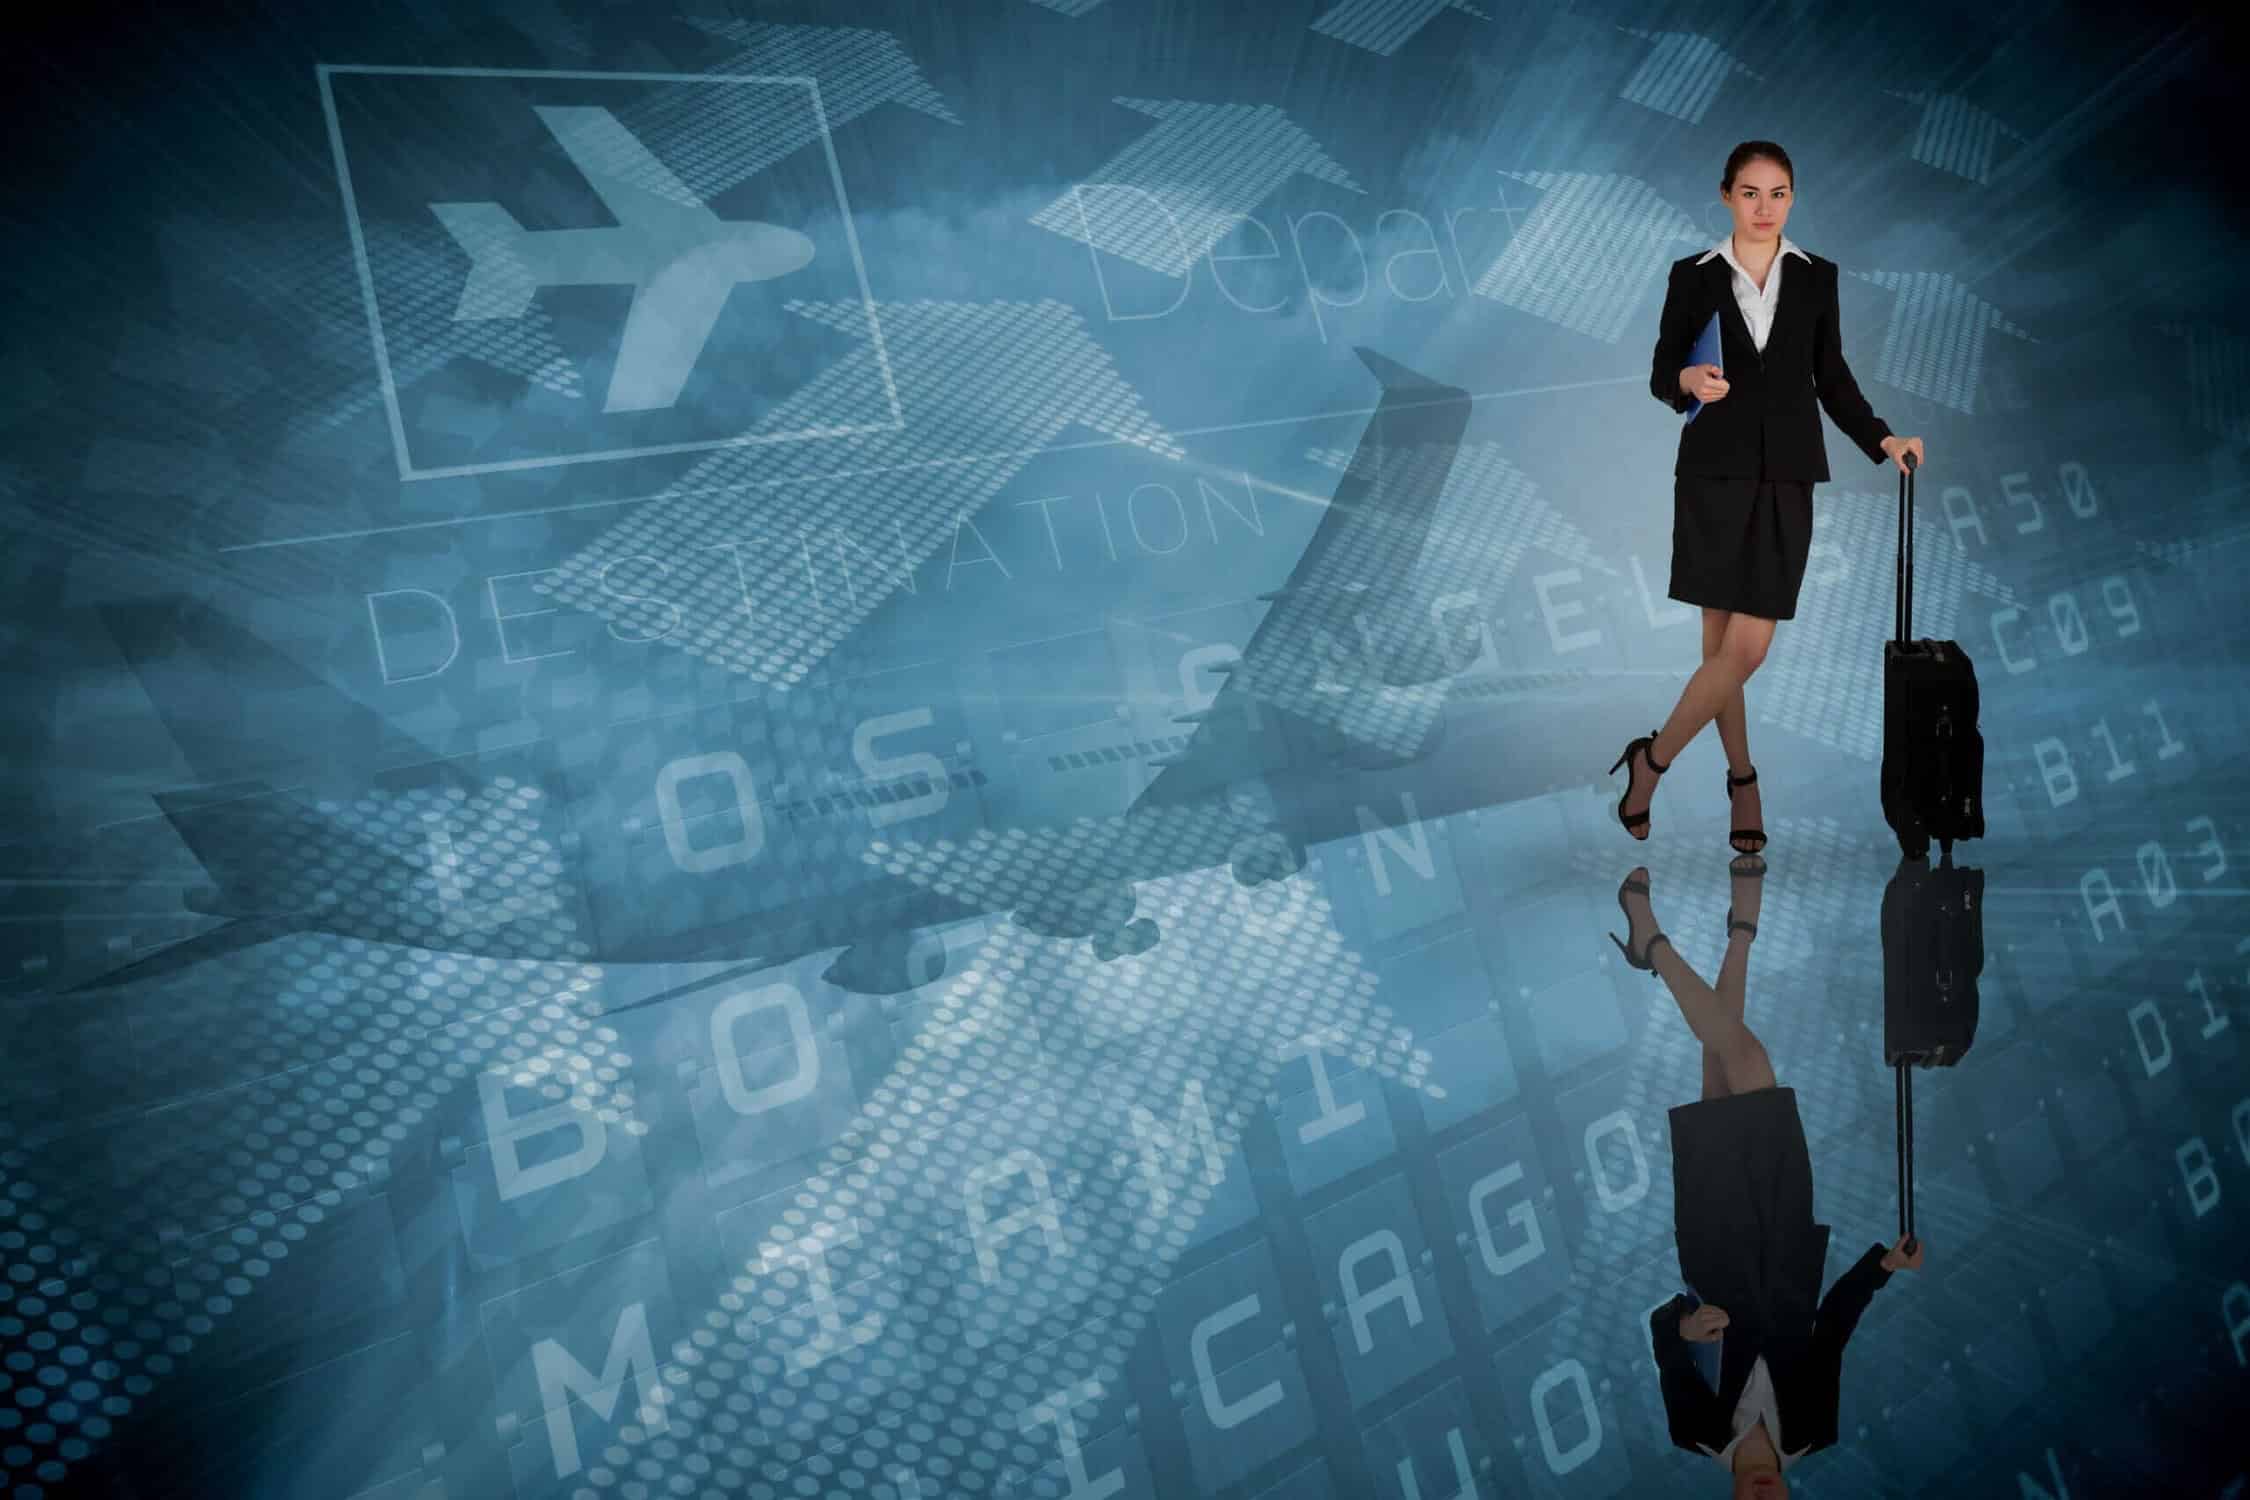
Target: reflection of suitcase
[(1933, 753), (1933, 955)]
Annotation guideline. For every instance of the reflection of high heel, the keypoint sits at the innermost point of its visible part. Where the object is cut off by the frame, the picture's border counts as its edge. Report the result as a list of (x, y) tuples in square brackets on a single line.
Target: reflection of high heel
[(1646, 745), (1737, 835), (1749, 867), (1641, 960)]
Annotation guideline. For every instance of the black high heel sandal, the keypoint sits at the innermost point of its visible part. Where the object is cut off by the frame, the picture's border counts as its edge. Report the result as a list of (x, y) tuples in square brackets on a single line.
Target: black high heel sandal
[(1749, 867), (1644, 744), (1641, 961), (1744, 833)]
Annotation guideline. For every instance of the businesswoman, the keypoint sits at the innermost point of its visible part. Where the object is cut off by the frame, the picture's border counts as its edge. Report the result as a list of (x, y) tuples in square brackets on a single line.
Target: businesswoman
[(1742, 512)]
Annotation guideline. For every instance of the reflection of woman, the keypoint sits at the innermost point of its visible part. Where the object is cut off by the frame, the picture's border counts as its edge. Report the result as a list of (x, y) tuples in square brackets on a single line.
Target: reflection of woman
[(1751, 1356), (1742, 513)]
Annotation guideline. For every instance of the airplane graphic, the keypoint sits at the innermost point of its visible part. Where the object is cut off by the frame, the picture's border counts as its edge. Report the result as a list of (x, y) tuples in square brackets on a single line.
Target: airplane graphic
[(460, 856), (681, 260), (1343, 699)]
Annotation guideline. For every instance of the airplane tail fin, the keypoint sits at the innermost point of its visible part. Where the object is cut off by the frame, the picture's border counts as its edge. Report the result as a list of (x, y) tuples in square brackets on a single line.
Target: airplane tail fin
[(501, 282), (228, 937), (1359, 557), (248, 720), (251, 840), (1389, 492), (238, 707)]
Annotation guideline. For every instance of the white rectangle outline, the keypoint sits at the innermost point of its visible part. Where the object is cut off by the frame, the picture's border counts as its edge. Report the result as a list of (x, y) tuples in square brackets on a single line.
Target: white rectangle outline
[(406, 469)]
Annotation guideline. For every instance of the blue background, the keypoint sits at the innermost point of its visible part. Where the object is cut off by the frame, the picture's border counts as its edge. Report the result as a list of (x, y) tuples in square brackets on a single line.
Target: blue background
[(257, 1236)]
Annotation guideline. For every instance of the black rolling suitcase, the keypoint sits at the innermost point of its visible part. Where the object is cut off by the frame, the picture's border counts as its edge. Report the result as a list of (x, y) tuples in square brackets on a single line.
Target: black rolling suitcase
[(1933, 752)]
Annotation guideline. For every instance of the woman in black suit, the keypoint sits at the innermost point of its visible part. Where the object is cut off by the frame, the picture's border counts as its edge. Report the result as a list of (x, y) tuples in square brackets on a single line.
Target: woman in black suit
[(1742, 493)]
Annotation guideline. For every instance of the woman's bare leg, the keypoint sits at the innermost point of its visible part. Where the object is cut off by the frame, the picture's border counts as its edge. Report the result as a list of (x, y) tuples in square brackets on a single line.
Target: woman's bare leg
[(1714, 1076), (1733, 717), (1715, 685), (1745, 896), (1715, 1019), (1745, 807)]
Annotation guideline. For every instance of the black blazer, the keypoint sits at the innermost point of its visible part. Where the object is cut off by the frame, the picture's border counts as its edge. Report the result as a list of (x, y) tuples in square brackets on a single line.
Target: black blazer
[(1806, 1364), (1767, 427)]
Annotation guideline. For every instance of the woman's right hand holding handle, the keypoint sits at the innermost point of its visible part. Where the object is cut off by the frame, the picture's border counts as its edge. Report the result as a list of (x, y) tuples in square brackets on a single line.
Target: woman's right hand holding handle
[(1703, 382), (1906, 1255)]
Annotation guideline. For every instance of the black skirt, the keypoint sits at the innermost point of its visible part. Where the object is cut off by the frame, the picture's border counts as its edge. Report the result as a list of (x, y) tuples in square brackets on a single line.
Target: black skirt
[(1742, 1207), (1740, 544)]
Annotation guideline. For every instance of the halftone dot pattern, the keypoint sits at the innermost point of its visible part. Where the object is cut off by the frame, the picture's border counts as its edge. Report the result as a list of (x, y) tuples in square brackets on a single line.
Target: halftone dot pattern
[(273, 1129), (298, 273), (990, 382), (811, 862), (2177, 554), (1954, 135), (1342, 628), (1489, 513), (1207, 164), (717, 138), (1584, 257), (1681, 75), (612, 155), (1038, 867), (1828, 686), (1933, 343), (118, 1276), (298, 283), (418, 283), (271, 328), (433, 866), (501, 282), (1384, 26), (418, 290), (2218, 367), (1243, 974), (1068, 7)]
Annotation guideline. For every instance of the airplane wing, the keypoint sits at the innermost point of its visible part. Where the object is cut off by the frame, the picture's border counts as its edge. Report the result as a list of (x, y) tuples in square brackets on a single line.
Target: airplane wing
[(672, 315), (633, 184), (1338, 647)]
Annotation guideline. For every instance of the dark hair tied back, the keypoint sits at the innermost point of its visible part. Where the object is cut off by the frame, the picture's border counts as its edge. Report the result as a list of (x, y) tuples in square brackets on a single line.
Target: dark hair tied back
[(1750, 151)]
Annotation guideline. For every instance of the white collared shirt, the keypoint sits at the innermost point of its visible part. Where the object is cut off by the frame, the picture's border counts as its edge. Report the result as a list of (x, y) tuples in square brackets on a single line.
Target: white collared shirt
[(1757, 306), (1757, 1403)]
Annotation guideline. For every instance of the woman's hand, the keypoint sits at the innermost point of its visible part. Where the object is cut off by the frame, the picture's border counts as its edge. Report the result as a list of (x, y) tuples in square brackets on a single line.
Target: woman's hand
[(1704, 1324), (1897, 1257), (1703, 382), (1897, 446)]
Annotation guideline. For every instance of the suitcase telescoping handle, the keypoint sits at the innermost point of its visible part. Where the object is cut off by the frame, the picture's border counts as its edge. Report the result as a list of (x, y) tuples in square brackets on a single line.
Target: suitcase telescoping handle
[(1906, 1157), (1906, 547)]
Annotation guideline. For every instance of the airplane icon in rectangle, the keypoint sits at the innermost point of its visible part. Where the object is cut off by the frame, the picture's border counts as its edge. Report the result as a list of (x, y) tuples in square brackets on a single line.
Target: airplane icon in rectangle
[(560, 267), (681, 260)]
